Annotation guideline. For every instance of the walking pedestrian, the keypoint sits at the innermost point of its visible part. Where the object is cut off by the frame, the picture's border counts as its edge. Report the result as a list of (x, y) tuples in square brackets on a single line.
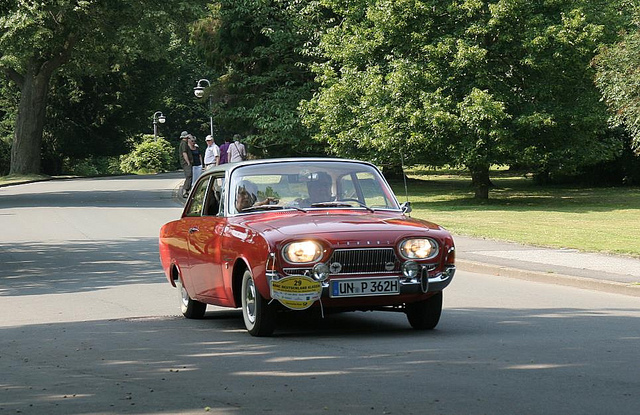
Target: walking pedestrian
[(237, 151), (186, 161), (223, 151), (211, 154)]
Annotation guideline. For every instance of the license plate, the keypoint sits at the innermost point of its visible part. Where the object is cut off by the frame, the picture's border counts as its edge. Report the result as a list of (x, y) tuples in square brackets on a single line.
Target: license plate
[(359, 287)]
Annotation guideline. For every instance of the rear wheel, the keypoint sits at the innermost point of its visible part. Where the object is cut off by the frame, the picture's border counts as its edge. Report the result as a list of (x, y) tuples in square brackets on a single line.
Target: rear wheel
[(259, 316), (190, 308), (425, 315)]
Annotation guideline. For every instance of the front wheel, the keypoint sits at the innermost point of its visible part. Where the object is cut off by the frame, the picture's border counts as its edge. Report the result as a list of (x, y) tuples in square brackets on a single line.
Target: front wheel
[(190, 308), (425, 315), (259, 316)]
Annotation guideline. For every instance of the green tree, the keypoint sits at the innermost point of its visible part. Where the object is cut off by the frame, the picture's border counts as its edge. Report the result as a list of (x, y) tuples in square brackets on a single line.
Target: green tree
[(618, 77), (97, 114), (465, 82), (87, 37), (255, 49)]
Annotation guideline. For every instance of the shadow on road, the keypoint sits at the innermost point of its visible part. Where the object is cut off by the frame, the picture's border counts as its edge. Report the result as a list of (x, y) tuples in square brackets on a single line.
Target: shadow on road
[(77, 266), (475, 363)]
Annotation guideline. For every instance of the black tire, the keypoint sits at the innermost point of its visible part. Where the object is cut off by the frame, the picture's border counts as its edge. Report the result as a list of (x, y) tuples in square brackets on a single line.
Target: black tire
[(190, 308), (259, 316), (425, 315)]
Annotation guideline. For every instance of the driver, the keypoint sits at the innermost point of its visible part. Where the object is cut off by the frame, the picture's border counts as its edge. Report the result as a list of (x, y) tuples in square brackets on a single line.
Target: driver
[(320, 188)]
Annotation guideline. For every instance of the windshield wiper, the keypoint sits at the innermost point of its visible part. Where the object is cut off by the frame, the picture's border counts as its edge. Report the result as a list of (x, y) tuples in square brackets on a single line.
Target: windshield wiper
[(271, 207), (341, 204)]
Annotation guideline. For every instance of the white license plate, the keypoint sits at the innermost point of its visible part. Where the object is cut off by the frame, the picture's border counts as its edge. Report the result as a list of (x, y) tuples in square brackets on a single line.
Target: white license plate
[(358, 287)]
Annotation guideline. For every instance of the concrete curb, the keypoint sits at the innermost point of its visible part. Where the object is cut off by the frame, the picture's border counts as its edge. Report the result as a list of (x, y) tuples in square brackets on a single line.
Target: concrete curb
[(549, 278)]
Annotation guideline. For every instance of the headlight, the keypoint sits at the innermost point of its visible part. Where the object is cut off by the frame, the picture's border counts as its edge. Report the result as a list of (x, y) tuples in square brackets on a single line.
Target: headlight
[(302, 252), (419, 248)]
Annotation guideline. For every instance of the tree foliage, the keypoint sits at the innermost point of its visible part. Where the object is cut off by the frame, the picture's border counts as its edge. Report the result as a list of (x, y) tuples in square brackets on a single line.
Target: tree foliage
[(465, 82), (88, 37), (618, 77), (255, 49)]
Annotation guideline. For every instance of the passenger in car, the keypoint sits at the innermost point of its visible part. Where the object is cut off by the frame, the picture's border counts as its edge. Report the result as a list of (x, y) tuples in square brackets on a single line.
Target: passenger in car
[(247, 196)]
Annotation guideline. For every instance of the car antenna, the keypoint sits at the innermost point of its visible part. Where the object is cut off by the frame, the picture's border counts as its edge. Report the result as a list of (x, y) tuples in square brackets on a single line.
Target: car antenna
[(404, 178)]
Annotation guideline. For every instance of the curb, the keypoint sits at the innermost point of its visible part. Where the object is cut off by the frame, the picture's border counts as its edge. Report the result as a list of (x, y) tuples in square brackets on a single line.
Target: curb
[(549, 278)]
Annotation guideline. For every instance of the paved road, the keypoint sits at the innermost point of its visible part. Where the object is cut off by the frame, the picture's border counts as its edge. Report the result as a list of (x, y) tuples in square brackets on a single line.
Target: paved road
[(89, 326)]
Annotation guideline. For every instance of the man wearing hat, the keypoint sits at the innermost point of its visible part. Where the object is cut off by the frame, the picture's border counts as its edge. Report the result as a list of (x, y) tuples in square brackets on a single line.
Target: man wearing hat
[(211, 154), (186, 161)]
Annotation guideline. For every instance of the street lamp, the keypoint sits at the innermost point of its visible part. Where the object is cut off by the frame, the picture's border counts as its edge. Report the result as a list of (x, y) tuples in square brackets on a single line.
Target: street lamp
[(157, 118), (199, 93)]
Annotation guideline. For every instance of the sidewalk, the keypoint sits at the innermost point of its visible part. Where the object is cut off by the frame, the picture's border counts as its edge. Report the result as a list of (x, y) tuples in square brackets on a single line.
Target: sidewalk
[(610, 273)]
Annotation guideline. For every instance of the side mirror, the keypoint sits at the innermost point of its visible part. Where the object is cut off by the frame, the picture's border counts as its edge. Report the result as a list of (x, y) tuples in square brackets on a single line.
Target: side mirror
[(406, 207)]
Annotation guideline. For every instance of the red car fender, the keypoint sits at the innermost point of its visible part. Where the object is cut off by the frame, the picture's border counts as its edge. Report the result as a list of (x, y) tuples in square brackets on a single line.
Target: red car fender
[(250, 252)]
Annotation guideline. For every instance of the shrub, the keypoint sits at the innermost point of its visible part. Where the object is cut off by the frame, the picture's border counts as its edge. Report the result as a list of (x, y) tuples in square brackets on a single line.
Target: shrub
[(149, 156)]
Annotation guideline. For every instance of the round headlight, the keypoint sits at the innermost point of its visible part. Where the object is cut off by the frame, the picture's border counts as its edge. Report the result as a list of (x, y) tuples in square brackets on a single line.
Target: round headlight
[(423, 248), (302, 252)]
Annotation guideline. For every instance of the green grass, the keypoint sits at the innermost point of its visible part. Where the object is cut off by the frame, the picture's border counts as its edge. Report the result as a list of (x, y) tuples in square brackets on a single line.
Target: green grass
[(15, 178), (589, 219)]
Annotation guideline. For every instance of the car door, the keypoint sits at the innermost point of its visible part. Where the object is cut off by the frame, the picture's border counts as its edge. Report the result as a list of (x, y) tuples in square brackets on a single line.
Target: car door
[(204, 238)]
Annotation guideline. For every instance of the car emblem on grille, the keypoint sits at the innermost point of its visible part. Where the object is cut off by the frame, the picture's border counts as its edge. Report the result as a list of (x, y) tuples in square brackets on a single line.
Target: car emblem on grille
[(389, 266), (335, 267)]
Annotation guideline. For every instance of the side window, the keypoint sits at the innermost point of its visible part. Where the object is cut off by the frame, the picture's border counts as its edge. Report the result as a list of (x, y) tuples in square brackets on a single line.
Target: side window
[(197, 201), (214, 201)]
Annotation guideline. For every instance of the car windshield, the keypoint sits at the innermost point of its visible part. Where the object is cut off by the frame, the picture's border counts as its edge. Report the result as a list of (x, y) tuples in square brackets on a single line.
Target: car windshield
[(307, 185)]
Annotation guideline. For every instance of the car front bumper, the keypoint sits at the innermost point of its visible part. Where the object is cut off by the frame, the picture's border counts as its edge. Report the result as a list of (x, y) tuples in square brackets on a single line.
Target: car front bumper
[(427, 281)]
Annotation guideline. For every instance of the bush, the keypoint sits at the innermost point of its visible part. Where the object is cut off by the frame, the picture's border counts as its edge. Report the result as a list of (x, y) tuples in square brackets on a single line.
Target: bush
[(149, 156)]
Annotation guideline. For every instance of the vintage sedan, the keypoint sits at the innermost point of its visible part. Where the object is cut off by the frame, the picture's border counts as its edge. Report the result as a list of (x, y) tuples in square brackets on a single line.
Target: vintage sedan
[(285, 235)]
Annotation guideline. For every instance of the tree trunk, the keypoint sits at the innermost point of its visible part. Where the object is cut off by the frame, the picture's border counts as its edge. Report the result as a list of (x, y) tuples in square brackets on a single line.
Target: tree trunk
[(27, 139), (480, 181), (393, 172)]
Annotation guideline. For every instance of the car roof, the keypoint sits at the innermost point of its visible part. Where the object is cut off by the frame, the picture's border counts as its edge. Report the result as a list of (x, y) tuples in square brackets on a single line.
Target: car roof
[(227, 167)]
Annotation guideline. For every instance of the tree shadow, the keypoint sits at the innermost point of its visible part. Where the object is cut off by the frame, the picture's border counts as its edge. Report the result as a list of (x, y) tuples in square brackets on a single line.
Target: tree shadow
[(478, 361), (105, 193), (77, 266)]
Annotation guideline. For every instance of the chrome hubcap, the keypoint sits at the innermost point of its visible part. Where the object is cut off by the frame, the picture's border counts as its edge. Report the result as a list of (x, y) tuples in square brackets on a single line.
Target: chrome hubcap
[(183, 295), (250, 301)]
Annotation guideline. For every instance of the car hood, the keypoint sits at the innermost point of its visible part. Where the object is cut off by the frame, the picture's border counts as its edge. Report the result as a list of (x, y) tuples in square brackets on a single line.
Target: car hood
[(284, 225)]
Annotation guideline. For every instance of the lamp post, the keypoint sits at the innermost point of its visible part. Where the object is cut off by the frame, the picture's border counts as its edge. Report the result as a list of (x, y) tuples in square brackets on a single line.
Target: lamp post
[(157, 118), (199, 93)]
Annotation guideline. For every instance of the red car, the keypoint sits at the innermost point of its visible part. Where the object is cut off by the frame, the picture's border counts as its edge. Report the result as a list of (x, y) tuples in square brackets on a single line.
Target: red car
[(288, 234)]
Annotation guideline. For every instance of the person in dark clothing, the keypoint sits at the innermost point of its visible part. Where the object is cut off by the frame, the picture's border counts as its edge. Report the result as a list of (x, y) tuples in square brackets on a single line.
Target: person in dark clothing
[(196, 157), (186, 162), (223, 151)]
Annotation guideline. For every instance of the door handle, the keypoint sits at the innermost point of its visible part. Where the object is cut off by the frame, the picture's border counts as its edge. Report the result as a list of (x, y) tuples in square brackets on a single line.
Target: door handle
[(193, 230)]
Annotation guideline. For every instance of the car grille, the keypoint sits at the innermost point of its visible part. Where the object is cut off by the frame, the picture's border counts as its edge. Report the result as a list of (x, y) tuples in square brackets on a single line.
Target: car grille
[(364, 261), (357, 261)]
